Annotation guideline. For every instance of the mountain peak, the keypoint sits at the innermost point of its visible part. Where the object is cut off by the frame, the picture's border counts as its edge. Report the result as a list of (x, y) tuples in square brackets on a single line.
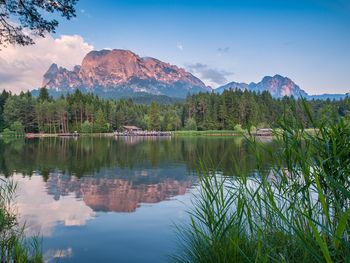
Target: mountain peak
[(277, 85), (121, 70)]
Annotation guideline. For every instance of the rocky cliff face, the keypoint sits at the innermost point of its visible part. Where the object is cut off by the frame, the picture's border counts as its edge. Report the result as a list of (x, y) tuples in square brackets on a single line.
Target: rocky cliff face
[(277, 85), (125, 71)]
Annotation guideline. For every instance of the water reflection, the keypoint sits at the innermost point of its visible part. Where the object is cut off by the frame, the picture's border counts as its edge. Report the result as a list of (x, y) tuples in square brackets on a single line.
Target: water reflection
[(41, 212), (102, 199), (88, 156), (114, 194)]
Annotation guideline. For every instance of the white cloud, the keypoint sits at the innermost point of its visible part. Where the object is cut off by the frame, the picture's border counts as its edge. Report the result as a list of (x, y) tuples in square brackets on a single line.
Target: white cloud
[(22, 68)]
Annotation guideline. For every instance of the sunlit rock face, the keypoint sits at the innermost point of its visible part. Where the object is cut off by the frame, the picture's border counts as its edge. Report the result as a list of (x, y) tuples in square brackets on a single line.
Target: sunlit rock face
[(117, 195), (278, 86), (123, 70)]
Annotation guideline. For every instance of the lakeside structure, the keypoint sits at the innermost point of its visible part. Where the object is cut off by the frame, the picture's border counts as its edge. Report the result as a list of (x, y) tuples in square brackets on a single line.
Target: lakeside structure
[(136, 131)]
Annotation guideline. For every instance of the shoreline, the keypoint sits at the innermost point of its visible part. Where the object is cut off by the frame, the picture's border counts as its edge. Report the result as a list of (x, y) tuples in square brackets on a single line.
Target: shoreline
[(174, 134)]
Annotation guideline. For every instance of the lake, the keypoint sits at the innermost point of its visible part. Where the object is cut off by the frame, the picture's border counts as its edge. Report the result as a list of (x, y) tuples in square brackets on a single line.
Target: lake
[(113, 199)]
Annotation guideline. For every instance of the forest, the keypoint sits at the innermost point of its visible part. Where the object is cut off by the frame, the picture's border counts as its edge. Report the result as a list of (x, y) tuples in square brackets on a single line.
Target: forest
[(87, 113)]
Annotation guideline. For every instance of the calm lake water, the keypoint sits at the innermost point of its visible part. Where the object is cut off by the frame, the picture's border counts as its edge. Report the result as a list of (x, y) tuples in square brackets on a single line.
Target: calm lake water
[(108, 199)]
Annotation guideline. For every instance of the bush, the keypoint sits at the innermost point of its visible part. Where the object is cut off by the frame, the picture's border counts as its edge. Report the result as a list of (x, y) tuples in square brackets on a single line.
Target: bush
[(17, 128), (8, 133), (238, 128), (87, 127), (190, 125)]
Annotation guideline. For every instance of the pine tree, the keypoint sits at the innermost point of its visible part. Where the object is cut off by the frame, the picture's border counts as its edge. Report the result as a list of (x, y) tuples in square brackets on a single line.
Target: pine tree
[(154, 118), (100, 124)]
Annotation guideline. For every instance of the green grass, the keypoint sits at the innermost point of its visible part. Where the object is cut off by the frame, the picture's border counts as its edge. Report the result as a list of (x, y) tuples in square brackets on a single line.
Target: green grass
[(14, 246), (298, 211)]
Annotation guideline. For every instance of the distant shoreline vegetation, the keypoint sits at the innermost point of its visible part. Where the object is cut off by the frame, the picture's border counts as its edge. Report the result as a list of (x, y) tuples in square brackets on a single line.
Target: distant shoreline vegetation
[(203, 113)]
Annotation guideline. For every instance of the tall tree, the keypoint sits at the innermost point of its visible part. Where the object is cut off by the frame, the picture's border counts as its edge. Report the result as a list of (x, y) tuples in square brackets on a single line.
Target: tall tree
[(154, 118), (100, 124), (43, 95)]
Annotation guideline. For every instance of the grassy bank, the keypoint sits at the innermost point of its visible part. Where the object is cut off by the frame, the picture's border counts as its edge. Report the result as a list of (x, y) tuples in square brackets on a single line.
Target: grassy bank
[(298, 211)]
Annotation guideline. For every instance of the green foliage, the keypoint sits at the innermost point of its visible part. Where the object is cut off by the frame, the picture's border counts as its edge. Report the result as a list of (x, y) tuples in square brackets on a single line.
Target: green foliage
[(190, 125), (8, 133), (21, 108), (154, 118), (100, 124), (238, 128), (297, 211), (203, 111), (14, 247), (17, 128), (44, 95), (87, 127)]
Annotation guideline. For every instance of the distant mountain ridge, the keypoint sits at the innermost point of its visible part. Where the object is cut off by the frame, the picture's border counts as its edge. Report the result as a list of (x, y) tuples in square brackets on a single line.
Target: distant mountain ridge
[(122, 71), (278, 86)]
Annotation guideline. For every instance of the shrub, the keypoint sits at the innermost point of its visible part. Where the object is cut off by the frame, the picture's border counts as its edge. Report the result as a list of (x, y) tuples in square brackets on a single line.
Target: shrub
[(238, 128), (8, 133), (86, 127), (191, 125)]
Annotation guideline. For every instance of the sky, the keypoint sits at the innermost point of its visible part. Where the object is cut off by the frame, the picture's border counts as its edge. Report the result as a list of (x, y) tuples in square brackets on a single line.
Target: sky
[(218, 41)]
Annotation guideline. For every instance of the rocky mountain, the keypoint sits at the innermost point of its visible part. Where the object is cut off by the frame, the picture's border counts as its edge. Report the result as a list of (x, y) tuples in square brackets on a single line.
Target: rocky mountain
[(232, 85), (277, 85), (123, 72)]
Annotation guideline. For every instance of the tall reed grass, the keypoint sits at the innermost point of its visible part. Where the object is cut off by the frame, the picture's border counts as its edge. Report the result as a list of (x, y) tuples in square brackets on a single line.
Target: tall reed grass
[(296, 211), (14, 246)]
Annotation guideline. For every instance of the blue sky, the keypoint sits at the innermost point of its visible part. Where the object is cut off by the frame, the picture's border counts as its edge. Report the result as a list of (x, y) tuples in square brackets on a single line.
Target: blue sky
[(221, 41)]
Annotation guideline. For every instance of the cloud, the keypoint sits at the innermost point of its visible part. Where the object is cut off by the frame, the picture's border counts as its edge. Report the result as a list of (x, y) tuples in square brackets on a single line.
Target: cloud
[(179, 46), (55, 255), (40, 212), (223, 50), (22, 68), (212, 75)]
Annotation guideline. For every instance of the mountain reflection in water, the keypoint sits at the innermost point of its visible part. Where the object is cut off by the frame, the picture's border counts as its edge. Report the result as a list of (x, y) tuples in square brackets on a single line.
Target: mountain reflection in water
[(102, 199), (113, 194)]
